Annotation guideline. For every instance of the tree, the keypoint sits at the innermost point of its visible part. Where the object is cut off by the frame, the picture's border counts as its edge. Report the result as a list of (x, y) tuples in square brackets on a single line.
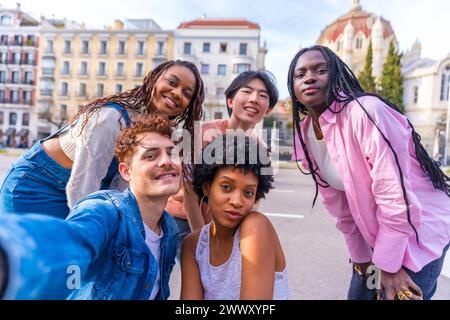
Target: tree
[(49, 117), (392, 79), (365, 78)]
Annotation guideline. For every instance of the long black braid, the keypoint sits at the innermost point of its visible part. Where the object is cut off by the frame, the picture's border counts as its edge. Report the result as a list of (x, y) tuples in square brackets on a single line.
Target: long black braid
[(344, 87)]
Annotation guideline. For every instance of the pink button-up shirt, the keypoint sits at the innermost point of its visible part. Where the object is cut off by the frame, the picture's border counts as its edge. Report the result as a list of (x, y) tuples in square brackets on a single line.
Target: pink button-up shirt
[(371, 211)]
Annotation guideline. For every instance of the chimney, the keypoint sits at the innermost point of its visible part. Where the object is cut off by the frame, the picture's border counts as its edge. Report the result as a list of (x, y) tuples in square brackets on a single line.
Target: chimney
[(118, 25)]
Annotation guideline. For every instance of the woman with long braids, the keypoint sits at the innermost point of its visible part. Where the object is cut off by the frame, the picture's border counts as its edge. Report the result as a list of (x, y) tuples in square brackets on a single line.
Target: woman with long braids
[(390, 199), (79, 159)]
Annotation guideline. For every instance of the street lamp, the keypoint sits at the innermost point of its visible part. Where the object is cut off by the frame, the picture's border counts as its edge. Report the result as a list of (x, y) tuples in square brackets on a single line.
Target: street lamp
[(447, 127)]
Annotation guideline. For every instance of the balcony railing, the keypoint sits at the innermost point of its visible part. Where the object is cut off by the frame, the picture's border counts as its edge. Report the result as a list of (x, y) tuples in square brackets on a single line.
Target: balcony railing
[(17, 101), (46, 92)]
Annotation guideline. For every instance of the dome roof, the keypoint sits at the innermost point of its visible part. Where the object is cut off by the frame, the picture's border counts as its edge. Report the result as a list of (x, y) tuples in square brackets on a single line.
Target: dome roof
[(361, 21)]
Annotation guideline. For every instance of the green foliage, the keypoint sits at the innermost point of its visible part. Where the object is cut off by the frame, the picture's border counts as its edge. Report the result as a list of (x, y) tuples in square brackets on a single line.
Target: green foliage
[(392, 79), (365, 78)]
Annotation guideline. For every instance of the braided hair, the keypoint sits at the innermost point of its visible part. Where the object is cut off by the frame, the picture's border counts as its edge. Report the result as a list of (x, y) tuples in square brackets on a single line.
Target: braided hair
[(141, 97), (344, 87)]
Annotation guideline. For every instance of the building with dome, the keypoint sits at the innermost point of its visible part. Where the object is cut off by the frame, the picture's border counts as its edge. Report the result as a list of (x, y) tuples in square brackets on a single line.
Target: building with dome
[(426, 81), (349, 36)]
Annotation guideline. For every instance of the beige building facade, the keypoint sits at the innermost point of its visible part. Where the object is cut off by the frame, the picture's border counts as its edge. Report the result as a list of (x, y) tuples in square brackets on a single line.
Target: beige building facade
[(80, 64)]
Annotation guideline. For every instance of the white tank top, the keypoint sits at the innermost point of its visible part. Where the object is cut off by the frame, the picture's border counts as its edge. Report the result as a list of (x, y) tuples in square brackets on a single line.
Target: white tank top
[(320, 152), (224, 282)]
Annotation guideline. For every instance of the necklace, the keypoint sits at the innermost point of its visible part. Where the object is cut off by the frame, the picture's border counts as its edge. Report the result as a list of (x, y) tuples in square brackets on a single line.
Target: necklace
[(318, 130)]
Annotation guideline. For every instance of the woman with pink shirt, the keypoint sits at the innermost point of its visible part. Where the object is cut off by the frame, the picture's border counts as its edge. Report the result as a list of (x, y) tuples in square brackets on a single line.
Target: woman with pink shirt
[(390, 199)]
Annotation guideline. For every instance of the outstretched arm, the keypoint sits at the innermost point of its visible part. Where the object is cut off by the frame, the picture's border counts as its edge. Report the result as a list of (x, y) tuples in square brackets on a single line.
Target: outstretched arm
[(41, 251), (191, 285)]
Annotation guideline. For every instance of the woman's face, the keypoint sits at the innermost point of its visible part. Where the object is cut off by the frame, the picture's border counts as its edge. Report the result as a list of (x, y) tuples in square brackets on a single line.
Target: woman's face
[(250, 103), (174, 90), (310, 80), (231, 195)]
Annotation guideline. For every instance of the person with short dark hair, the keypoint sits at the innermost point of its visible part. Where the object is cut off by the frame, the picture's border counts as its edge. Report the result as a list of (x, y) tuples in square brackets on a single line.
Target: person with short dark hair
[(390, 199), (113, 245), (238, 254)]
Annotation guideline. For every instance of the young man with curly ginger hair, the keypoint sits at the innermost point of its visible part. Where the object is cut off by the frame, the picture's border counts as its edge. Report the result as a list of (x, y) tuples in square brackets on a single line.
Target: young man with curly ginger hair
[(113, 245)]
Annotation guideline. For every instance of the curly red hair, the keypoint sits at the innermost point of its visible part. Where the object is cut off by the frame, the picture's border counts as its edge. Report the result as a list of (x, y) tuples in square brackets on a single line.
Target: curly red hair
[(130, 137)]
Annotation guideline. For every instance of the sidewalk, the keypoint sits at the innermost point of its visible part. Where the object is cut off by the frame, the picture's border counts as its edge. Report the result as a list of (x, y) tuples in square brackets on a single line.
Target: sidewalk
[(12, 152)]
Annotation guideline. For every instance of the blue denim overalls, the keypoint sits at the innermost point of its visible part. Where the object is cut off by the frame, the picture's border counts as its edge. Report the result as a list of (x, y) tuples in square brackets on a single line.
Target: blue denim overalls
[(36, 183)]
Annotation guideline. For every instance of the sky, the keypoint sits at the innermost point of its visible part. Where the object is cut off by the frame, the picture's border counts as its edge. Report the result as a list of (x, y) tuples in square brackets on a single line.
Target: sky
[(286, 25)]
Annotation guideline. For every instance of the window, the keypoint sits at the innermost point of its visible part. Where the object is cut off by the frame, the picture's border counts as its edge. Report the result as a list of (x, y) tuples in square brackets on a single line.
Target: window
[(206, 47), (220, 91), (17, 58), (359, 43), (2, 76), (120, 69), (187, 48), (140, 48), (100, 89), (83, 68), (64, 89), (30, 58), (12, 119), (28, 77), (49, 46), (160, 50), (31, 41), (3, 57), (416, 94), (223, 47), (6, 20), (204, 68), (62, 112), (217, 115), (18, 40), (139, 69), (103, 47), (67, 46), (101, 68), (241, 67), (222, 69), (119, 87), (15, 77), (26, 96), (85, 47), (15, 96), (65, 68), (4, 40), (26, 119), (82, 89), (340, 45), (121, 47), (243, 49), (1, 117)]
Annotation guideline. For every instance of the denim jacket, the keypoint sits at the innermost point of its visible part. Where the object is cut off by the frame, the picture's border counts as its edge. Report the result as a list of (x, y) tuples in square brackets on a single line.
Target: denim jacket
[(98, 252)]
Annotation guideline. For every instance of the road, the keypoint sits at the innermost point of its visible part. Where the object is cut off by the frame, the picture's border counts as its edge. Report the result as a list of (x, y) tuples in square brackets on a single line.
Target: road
[(317, 259)]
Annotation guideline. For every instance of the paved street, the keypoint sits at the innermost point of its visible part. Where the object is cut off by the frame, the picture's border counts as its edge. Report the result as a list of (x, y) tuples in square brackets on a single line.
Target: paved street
[(317, 259)]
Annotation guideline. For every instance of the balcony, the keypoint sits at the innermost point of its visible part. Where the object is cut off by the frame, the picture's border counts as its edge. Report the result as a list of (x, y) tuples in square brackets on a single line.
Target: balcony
[(16, 101), (46, 92), (48, 71)]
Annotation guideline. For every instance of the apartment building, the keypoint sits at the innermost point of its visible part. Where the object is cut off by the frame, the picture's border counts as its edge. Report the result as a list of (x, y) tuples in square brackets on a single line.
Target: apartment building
[(19, 38), (221, 49)]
